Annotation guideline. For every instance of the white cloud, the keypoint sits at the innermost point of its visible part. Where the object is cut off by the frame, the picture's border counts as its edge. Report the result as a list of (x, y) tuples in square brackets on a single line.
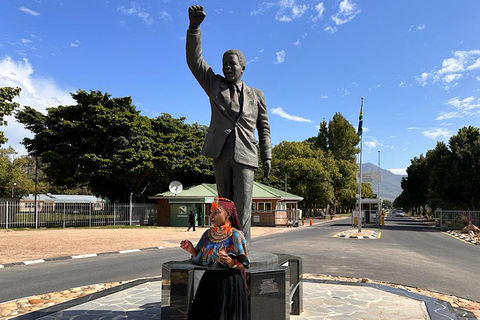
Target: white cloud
[(165, 16), (320, 9), (287, 10), (402, 84), (75, 44), (392, 137), (330, 29), (372, 144), (262, 8), (422, 79), (280, 57), (399, 171), (347, 11), (467, 107), (452, 77), (344, 92), (452, 69), (477, 78), (297, 43), (136, 11), (323, 96), (37, 92), (437, 132), (253, 60), (31, 12), (25, 41), (416, 28), (279, 112)]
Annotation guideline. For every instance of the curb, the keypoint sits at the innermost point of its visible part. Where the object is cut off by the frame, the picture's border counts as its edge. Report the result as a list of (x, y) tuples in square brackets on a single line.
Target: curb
[(24, 263), (463, 237)]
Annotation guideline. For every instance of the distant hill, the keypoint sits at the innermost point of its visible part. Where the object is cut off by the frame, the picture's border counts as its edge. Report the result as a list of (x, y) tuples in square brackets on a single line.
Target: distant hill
[(390, 187)]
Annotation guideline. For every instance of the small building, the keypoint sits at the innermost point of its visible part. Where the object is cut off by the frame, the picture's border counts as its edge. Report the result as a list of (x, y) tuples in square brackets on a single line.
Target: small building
[(371, 210), (54, 202), (270, 206)]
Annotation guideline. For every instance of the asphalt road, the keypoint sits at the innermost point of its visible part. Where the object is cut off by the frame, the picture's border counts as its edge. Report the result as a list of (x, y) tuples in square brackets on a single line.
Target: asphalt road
[(408, 253)]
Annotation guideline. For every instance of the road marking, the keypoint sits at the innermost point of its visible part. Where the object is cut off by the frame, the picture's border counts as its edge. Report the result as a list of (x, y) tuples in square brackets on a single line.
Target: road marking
[(84, 256), (34, 261), (129, 251)]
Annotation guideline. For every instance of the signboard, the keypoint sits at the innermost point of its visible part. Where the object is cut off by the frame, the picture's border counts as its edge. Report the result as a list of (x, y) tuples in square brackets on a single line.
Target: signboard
[(370, 177)]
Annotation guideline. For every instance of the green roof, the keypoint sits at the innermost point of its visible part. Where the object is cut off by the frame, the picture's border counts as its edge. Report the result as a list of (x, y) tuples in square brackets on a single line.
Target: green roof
[(210, 190)]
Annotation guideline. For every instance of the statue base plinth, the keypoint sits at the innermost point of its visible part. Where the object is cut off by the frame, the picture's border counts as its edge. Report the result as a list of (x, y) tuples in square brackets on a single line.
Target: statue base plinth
[(274, 280)]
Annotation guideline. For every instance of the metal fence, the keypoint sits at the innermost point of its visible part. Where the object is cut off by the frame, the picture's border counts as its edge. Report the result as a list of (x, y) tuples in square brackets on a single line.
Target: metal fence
[(456, 219), (60, 214)]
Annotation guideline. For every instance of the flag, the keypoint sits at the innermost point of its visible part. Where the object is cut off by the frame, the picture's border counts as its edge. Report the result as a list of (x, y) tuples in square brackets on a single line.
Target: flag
[(360, 120)]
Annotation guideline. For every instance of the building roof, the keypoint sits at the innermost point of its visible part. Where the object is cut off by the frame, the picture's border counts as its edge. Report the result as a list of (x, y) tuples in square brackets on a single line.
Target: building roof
[(48, 197), (260, 191)]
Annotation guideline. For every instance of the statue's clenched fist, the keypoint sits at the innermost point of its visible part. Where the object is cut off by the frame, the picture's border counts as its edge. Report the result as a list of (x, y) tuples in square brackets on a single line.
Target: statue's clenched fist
[(196, 16)]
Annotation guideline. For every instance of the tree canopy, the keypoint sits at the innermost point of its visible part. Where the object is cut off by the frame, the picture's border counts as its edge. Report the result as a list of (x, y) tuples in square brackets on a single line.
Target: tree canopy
[(105, 144), (447, 177), (7, 106)]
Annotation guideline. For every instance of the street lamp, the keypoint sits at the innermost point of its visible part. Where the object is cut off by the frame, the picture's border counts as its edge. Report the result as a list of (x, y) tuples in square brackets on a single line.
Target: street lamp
[(13, 188)]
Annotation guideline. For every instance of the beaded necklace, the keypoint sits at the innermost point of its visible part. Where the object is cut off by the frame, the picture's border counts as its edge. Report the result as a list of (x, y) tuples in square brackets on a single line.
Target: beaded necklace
[(221, 233)]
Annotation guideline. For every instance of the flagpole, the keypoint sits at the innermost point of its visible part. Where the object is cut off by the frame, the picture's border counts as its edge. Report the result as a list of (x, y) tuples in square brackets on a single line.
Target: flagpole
[(359, 220)]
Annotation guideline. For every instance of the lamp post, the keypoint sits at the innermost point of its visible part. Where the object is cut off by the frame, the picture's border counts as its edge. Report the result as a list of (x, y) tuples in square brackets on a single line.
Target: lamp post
[(13, 188)]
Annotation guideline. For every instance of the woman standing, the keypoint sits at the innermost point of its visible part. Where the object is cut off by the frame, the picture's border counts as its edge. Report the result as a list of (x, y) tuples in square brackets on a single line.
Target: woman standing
[(222, 291)]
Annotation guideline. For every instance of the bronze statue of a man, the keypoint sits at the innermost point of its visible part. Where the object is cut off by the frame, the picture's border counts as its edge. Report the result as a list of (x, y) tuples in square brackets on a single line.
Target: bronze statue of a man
[(237, 110)]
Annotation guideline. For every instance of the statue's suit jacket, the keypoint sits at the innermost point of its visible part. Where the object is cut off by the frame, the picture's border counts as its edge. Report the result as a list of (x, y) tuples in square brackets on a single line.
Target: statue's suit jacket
[(223, 122)]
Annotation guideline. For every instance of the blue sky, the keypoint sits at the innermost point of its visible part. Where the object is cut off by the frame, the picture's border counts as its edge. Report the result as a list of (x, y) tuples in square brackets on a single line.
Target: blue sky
[(416, 63)]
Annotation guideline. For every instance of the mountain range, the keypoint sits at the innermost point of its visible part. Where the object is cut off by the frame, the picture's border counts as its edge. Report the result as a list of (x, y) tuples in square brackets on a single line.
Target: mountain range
[(390, 187)]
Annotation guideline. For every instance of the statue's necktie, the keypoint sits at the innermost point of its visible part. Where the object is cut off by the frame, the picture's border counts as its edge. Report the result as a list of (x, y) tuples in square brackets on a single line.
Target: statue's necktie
[(235, 99)]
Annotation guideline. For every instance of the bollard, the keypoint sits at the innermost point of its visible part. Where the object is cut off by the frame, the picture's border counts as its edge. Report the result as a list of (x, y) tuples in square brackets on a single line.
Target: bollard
[(311, 222)]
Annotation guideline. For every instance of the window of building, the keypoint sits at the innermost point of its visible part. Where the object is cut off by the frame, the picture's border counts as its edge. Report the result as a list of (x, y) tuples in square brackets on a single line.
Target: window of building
[(264, 206)]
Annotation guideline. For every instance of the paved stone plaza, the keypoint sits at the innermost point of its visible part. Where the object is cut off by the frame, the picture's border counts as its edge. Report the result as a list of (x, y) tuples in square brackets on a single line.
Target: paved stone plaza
[(322, 300)]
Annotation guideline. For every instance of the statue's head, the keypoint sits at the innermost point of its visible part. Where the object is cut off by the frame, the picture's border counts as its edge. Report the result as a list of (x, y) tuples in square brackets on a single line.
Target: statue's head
[(233, 65)]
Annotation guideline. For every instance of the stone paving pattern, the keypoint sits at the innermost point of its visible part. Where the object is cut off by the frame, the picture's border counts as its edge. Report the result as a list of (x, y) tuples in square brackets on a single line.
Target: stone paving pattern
[(321, 301), (330, 301)]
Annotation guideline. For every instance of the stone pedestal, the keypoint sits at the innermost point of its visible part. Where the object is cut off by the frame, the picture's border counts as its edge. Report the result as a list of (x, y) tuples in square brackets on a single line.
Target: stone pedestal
[(274, 281)]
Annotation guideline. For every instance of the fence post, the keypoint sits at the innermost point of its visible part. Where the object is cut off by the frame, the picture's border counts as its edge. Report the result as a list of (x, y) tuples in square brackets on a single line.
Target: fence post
[(441, 220), (131, 194), (90, 215), (64, 217), (6, 216)]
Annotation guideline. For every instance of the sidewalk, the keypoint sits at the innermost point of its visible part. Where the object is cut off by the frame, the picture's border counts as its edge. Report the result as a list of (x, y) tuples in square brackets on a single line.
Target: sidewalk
[(322, 300)]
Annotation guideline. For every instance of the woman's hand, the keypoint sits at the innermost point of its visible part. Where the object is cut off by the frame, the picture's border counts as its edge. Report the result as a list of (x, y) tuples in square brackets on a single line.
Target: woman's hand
[(188, 246), (224, 258)]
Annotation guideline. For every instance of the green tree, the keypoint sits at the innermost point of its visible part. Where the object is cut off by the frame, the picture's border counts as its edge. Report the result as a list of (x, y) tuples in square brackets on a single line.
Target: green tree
[(447, 177), (416, 183), (12, 174), (440, 192), (309, 172), (465, 177), (339, 140), (7, 94), (105, 144)]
